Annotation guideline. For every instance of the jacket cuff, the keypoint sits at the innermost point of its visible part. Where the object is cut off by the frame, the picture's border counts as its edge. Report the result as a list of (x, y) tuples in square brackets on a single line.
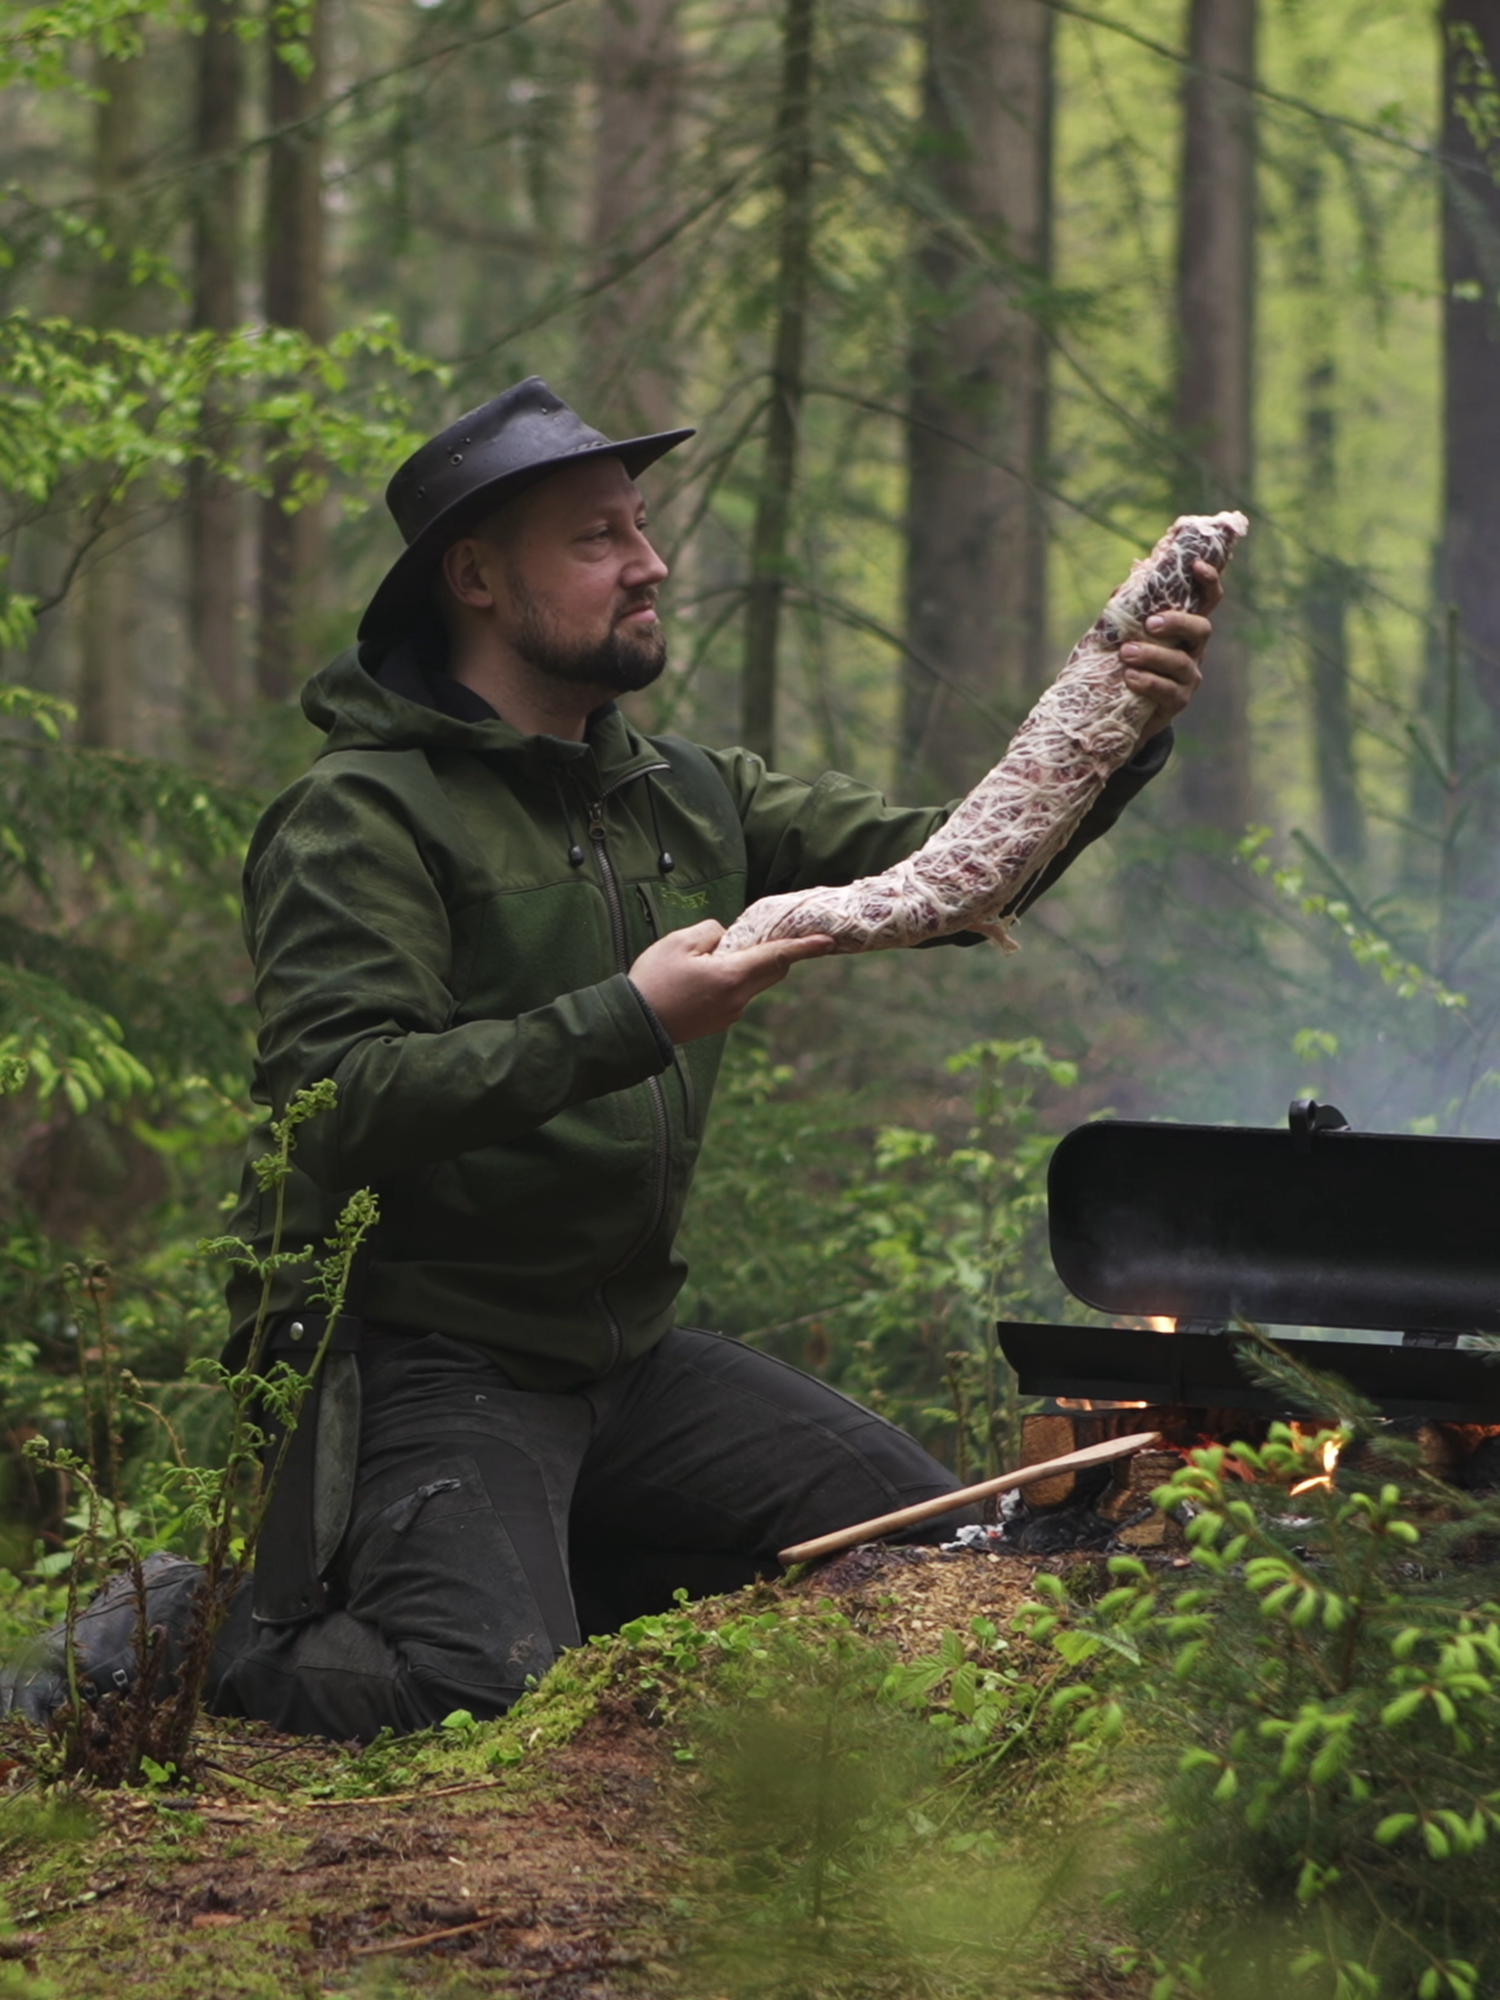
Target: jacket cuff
[(665, 1045), (1152, 756)]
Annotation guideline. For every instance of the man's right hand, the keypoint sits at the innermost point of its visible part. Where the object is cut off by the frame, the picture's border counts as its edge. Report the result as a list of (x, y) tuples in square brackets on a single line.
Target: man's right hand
[(695, 990)]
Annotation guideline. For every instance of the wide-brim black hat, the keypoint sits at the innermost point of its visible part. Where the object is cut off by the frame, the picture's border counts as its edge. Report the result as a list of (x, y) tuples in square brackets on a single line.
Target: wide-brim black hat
[(470, 469)]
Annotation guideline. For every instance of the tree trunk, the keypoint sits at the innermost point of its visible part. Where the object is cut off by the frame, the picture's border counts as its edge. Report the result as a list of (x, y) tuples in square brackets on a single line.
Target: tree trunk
[(976, 531), (636, 74), (1469, 572), (1325, 623), (108, 622), (1326, 581), (213, 517), (292, 546), (1215, 321), (768, 552)]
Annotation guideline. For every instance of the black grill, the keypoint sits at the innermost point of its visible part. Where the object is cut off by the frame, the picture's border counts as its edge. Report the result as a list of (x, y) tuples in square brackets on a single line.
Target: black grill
[(1393, 1236)]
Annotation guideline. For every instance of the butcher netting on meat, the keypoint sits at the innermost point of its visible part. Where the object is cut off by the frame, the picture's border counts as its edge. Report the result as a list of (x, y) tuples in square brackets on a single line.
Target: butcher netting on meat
[(1086, 725)]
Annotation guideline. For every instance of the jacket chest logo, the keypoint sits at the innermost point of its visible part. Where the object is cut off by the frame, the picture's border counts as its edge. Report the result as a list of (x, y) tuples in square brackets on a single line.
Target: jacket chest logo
[(683, 899)]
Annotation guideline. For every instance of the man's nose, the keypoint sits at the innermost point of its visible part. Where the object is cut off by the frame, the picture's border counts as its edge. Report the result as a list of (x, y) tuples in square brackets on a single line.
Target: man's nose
[(646, 566)]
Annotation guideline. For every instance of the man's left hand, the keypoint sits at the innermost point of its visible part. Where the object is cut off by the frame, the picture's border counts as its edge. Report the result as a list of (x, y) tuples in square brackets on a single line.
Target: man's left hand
[(1169, 667)]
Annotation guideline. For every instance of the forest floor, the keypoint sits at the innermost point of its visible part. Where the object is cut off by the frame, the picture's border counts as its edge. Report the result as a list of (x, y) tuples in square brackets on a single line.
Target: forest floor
[(579, 1850)]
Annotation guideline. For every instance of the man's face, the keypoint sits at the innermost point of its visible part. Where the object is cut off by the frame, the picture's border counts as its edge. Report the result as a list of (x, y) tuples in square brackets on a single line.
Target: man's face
[(578, 580)]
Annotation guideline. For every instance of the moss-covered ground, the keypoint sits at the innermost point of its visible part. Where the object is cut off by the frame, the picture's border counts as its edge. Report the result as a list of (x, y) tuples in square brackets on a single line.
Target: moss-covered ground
[(755, 1799)]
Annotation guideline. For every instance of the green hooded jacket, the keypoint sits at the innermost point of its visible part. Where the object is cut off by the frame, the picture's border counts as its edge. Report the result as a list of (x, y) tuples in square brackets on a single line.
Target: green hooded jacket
[(442, 914)]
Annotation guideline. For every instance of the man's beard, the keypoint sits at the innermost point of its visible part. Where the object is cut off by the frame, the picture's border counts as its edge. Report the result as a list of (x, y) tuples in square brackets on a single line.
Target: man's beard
[(620, 661)]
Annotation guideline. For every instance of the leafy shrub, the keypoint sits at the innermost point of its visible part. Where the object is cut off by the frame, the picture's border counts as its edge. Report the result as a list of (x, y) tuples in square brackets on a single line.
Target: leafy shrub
[(844, 1805), (881, 1255), (1319, 1703)]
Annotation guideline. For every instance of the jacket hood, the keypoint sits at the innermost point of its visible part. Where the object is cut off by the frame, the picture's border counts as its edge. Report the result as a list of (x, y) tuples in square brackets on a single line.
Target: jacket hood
[(405, 700)]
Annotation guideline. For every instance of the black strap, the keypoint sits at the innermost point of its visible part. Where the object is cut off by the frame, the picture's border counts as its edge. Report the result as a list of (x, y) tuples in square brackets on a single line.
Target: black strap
[(288, 1588)]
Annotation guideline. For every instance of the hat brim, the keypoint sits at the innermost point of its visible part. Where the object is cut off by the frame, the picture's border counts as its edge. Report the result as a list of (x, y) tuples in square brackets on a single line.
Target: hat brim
[(406, 588)]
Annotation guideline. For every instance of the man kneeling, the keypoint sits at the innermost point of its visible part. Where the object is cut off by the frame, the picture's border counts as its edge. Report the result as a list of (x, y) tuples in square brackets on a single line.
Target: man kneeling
[(488, 913)]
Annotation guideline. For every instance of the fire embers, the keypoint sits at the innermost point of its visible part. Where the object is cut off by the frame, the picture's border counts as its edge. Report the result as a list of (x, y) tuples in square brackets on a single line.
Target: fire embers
[(1321, 1480), (1118, 1514), (1093, 1507), (1464, 1455), (1107, 1507), (1111, 1507)]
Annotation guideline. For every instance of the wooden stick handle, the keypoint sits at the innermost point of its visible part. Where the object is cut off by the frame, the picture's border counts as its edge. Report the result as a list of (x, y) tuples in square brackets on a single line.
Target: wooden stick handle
[(927, 1510)]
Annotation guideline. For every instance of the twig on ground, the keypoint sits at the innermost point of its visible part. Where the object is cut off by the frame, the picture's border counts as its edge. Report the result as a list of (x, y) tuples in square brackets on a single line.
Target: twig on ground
[(72, 1903), (429, 1937), (401, 1798), (238, 1777)]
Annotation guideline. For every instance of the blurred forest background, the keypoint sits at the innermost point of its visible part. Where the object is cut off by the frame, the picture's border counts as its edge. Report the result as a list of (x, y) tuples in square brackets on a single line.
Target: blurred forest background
[(967, 299)]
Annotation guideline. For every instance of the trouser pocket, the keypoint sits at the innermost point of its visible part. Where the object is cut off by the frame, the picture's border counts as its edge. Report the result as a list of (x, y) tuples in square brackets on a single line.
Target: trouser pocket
[(459, 1562)]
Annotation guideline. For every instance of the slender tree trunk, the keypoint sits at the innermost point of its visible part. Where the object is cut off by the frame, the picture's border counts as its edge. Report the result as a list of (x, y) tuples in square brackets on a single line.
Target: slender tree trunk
[(1326, 625), (977, 437), (1215, 319), (213, 517), (1469, 572), (292, 546), (636, 72), (108, 622), (768, 551), (1326, 583)]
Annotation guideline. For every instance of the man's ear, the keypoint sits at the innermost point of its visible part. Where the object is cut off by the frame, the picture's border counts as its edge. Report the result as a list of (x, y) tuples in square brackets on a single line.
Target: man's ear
[(463, 569)]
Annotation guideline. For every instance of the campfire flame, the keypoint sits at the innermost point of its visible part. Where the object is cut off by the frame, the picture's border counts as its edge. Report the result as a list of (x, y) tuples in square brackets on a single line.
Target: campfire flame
[(1331, 1449)]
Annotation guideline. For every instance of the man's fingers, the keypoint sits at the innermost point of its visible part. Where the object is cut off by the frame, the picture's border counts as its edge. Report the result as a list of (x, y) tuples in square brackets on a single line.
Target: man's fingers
[(1168, 663), (768, 962), (701, 937), (1213, 585), (1168, 676), (1187, 631), (1171, 696), (694, 989), (792, 949)]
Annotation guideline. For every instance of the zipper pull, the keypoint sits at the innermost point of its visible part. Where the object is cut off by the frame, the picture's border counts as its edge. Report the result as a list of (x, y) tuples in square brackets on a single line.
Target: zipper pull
[(596, 820)]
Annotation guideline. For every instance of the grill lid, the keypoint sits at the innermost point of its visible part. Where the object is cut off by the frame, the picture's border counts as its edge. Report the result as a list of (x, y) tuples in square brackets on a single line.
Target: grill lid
[(1317, 1225)]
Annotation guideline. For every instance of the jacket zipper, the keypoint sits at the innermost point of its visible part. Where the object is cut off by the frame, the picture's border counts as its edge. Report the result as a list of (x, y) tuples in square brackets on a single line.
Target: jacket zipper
[(655, 1094)]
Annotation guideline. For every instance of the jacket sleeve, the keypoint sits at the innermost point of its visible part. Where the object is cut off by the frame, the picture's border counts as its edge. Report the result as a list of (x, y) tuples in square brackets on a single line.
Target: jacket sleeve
[(802, 836), (353, 954)]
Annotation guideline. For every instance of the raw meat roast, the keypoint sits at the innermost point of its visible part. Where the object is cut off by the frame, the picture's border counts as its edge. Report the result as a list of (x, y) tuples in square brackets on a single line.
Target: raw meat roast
[(1085, 727)]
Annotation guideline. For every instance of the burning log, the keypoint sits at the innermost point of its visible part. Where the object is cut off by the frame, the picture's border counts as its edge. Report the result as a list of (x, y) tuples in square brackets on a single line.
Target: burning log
[(1059, 1436), (1138, 1522), (1121, 1505)]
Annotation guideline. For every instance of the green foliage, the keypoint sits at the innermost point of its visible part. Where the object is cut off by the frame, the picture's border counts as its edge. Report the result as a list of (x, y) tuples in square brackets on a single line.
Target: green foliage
[(91, 412), (253, 1389), (37, 42), (864, 1826), (950, 1238), (216, 1507), (1369, 948), (1476, 95), (103, 862), (1319, 1703), (882, 1259)]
